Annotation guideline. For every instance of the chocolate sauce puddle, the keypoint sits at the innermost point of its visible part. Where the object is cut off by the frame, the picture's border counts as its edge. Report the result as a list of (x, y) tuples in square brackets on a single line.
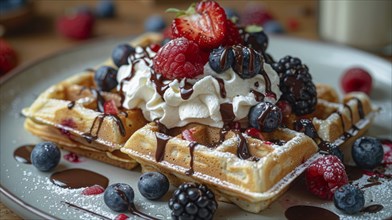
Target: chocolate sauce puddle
[(303, 212), (78, 178), (22, 153), (372, 208)]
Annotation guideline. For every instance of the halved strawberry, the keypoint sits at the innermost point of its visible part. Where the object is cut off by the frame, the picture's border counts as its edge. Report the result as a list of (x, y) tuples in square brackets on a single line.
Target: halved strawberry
[(109, 107), (233, 35), (204, 23)]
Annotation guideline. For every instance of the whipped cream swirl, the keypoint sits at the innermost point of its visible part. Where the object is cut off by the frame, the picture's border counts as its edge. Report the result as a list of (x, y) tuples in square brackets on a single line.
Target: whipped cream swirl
[(202, 104)]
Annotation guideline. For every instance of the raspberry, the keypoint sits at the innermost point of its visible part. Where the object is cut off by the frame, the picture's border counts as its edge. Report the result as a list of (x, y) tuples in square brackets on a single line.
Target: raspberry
[(121, 217), (110, 107), (8, 58), (187, 134), (356, 79), (255, 133), (76, 27), (93, 190), (180, 58), (325, 175), (255, 14)]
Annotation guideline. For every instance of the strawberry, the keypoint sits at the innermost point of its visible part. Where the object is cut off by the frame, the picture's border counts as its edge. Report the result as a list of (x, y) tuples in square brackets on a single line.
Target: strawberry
[(76, 27), (233, 36), (204, 23), (180, 58), (187, 134), (8, 58), (93, 190), (109, 107)]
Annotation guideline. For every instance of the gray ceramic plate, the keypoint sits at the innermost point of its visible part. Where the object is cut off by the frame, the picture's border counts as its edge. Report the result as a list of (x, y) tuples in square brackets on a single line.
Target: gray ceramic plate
[(30, 193)]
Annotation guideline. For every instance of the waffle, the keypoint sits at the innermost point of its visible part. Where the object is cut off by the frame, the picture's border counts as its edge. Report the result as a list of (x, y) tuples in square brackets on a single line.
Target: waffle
[(70, 114), (269, 166)]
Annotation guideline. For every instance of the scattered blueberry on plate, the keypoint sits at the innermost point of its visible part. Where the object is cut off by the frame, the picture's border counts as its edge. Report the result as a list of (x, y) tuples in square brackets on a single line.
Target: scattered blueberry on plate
[(154, 23), (349, 199), (105, 9), (153, 185), (118, 197), (45, 156), (367, 152)]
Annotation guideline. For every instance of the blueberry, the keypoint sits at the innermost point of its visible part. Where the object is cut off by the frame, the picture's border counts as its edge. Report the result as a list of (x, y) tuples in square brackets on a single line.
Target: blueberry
[(230, 13), (265, 116), (349, 199), (221, 59), (45, 156), (273, 27), (256, 38), (247, 62), (153, 185), (106, 78), (105, 9), (367, 152), (119, 196), (154, 23), (121, 53)]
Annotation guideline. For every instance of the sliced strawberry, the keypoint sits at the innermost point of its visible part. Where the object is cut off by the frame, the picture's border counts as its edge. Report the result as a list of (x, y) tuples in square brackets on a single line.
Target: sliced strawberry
[(187, 135), (93, 190), (233, 35), (109, 107), (205, 24)]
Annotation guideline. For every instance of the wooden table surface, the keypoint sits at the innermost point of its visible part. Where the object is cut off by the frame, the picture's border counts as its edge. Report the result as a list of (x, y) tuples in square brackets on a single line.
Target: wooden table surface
[(39, 38)]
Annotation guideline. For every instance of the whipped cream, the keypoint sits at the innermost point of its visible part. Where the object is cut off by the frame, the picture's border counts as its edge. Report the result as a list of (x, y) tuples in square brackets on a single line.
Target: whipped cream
[(202, 105)]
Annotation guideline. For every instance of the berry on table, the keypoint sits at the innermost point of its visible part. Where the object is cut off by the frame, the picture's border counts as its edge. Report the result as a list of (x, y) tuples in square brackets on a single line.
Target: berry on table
[(221, 59), (349, 199), (106, 78), (367, 152), (247, 62), (105, 9), (325, 175), (45, 156), (356, 79), (296, 85), (118, 197), (77, 27), (265, 116), (153, 185), (204, 23), (180, 58), (154, 23), (8, 57), (255, 14), (121, 53), (193, 201)]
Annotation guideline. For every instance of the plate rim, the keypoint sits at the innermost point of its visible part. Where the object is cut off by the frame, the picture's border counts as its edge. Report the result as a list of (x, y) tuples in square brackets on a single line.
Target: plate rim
[(20, 69)]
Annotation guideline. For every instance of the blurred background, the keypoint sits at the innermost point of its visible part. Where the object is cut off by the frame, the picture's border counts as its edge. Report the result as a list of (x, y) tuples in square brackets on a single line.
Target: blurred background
[(34, 29)]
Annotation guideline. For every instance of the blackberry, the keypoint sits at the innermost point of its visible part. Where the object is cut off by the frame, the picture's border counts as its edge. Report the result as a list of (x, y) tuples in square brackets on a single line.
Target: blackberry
[(296, 85), (193, 201)]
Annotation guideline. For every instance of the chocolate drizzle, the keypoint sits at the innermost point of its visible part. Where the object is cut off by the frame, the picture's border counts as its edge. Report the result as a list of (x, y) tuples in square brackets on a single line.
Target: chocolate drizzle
[(160, 87), (258, 95), (78, 178), (191, 146), (222, 88), (85, 210), (162, 139), (22, 153), (267, 81), (71, 105), (186, 90), (97, 124), (131, 206), (360, 108)]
